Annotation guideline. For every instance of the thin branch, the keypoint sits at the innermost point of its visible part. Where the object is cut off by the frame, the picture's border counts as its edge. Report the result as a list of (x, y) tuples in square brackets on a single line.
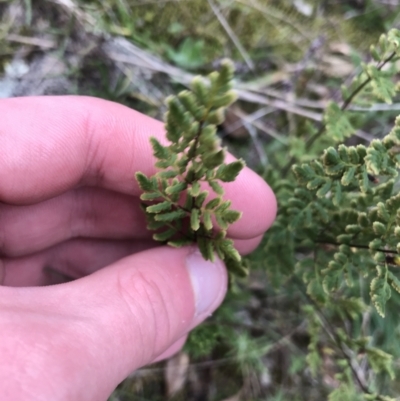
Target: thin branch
[(251, 119), (364, 135), (123, 51), (344, 106), (222, 20), (257, 145), (258, 88), (330, 330), (338, 341), (277, 103), (231, 359), (26, 40), (347, 102), (269, 131)]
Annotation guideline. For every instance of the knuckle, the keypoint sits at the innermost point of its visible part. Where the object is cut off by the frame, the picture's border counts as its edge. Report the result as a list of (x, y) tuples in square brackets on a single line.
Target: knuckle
[(146, 303)]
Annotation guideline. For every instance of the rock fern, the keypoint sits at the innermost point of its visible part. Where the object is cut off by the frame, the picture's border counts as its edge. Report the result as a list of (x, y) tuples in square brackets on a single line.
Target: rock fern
[(186, 195), (339, 211), (339, 224)]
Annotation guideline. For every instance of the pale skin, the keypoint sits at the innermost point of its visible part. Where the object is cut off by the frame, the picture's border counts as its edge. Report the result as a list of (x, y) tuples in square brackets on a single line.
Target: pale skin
[(70, 208)]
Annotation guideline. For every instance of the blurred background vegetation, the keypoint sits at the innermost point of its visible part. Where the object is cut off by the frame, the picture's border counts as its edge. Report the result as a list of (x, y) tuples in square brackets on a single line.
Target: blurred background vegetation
[(291, 57)]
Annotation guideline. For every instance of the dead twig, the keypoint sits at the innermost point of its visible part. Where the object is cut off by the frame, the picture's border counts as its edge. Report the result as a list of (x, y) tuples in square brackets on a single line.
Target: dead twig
[(257, 145), (26, 40), (249, 118), (279, 104), (252, 119), (121, 50), (222, 20)]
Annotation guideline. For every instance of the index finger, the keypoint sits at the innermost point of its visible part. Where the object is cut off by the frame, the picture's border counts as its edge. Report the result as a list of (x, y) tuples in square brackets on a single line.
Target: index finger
[(53, 144)]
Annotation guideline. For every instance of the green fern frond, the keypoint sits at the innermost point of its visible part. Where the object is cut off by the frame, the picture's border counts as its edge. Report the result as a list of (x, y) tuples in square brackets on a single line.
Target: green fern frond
[(193, 159)]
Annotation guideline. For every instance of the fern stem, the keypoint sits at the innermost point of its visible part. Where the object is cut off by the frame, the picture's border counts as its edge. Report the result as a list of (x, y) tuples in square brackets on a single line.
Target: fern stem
[(178, 232), (355, 246), (347, 102), (195, 147), (344, 106), (330, 330)]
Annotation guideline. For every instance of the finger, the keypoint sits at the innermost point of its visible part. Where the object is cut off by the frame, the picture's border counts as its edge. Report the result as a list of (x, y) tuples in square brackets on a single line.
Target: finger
[(246, 246), (77, 258), (111, 322), (47, 152), (66, 261), (84, 212), (172, 350), (251, 195)]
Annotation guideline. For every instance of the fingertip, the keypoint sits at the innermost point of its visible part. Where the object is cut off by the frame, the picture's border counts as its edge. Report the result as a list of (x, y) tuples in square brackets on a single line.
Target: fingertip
[(172, 350), (254, 197), (246, 246)]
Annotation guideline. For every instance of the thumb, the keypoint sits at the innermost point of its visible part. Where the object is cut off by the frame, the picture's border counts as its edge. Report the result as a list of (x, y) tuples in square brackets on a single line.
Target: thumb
[(149, 300), (100, 328)]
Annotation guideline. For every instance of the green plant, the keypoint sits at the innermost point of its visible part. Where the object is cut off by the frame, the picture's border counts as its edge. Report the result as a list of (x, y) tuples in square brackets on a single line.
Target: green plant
[(183, 211), (189, 55), (338, 222)]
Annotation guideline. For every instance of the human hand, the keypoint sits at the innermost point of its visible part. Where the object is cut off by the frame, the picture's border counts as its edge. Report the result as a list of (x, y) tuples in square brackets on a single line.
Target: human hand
[(70, 208)]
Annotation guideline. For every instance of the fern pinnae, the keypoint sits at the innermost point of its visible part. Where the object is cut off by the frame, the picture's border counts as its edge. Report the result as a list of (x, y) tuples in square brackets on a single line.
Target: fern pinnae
[(192, 159)]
